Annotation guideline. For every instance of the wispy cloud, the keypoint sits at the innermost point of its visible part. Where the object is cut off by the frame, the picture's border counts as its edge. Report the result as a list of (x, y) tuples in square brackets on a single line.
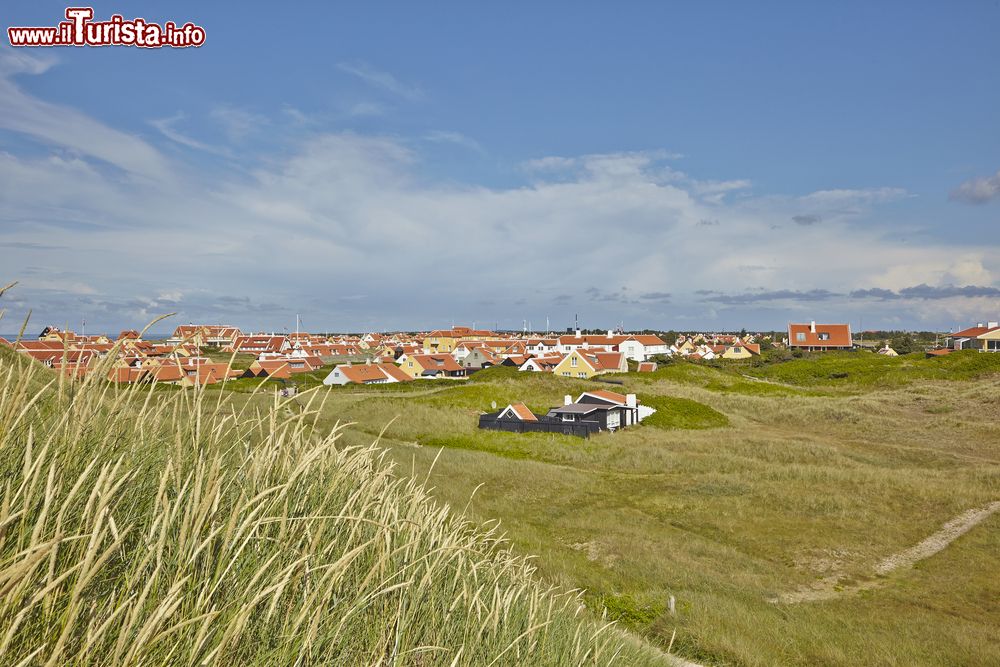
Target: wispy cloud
[(382, 80), (456, 138), (978, 190), (609, 236), (363, 109), (924, 291), (237, 124), (65, 127), (773, 295), (167, 127)]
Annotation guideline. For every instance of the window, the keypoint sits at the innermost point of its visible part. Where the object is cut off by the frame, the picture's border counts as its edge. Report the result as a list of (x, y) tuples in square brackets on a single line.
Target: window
[(824, 335), (567, 373), (572, 362), (582, 374), (567, 418), (800, 337)]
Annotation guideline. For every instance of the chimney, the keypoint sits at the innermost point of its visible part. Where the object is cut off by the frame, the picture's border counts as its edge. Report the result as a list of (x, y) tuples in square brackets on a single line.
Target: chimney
[(630, 400), (577, 333), (993, 325), (610, 333), (979, 324), (812, 326), (567, 400)]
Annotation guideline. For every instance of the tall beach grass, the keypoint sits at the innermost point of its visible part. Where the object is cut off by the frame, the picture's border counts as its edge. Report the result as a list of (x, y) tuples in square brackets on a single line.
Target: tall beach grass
[(140, 527)]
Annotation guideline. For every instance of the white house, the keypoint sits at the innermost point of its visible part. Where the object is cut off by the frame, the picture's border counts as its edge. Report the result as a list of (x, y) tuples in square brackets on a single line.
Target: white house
[(642, 347)]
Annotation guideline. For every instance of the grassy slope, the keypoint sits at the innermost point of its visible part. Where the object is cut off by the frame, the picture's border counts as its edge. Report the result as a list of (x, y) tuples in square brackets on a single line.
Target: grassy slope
[(143, 533), (815, 474)]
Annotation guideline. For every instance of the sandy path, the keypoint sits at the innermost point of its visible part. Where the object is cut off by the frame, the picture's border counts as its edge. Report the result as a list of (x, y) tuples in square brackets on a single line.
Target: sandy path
[(829, 587)]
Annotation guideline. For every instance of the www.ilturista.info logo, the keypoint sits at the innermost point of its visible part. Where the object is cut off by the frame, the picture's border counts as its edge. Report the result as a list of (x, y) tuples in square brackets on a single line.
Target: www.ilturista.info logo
[(81, 30)]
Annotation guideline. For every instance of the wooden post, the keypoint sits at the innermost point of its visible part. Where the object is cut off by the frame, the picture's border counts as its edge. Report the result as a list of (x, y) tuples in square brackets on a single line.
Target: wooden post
[(672, 605)]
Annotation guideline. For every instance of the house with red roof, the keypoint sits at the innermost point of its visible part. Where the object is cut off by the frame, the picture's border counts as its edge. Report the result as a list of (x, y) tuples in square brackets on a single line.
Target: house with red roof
[(641, 347), (259, 344), (814, 337), (985, 337), (588, 362), (432, 366), (541, 364), (367, 373), (517, 412)]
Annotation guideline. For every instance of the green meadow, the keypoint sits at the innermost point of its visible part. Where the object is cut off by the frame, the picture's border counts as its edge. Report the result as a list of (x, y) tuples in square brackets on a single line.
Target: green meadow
[(751, 484), (747, 522)]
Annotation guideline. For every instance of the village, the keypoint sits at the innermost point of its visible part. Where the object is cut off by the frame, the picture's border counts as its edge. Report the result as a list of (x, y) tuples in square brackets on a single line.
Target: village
[(194, 355)]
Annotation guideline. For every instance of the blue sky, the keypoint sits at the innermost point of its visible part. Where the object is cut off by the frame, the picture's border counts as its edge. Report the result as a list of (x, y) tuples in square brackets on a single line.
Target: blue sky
[(406, 165)]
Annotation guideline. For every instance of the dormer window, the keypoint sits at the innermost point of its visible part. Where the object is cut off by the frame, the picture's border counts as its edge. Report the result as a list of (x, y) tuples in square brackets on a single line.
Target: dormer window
[(824, 336)]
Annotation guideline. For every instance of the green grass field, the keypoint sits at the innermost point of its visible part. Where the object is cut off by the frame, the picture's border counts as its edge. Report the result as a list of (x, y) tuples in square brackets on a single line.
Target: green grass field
[(750, 482), (760, 497)]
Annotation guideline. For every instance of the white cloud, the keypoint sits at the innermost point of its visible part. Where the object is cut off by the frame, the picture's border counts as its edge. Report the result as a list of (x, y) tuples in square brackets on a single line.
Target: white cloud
[(167, 127), (61, 126), (382, 80), (978, 190), (342, 214), (457, 138), (237, 124)]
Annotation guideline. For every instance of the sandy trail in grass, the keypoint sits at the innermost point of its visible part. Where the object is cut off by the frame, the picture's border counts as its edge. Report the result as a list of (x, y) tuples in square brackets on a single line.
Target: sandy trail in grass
[(829, 587)]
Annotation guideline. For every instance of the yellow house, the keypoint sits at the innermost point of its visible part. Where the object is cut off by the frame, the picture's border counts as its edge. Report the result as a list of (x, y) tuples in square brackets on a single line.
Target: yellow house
[(989, 341), (448, 340), (440, 341), (431, 365), (741, 351), (687, 346), (55, 335), (583, 363)]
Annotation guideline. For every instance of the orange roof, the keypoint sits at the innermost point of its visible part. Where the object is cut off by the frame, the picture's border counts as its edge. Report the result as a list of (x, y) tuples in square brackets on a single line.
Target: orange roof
[(604, 360), (606, 395), (167, 373), (551, 361), (972, 332), (363, 373), (395, 372), (275, 369), (838, 335), (647, 339), (437, 362), (39, 345), (591, 340), (647, 366), (522, 412)]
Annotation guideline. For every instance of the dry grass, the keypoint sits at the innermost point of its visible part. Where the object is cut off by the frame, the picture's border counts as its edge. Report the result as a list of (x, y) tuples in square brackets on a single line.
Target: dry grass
[(151, 528)]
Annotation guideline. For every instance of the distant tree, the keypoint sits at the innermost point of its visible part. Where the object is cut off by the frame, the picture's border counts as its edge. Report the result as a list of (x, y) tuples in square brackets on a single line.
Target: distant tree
[(903, 344)]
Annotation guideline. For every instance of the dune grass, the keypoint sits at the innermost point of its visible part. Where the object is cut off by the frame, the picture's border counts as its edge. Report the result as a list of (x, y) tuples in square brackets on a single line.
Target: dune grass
[(796, 480), (151, 528), (864, 369)]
